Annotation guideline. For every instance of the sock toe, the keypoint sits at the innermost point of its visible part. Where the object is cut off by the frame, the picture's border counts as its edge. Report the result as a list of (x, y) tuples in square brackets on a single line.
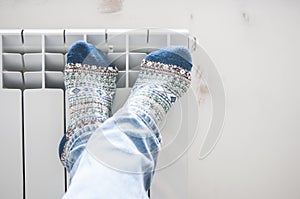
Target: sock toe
[(178, 56), (85, 53)]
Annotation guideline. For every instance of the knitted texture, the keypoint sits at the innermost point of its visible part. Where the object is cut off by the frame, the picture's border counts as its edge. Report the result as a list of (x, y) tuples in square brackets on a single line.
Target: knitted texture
[(179, 56), (160, 84), (90, 92), (85, 53)]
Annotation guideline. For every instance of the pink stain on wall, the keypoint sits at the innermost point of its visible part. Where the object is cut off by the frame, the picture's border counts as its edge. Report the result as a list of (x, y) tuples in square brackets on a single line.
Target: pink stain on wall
[(111, 6)]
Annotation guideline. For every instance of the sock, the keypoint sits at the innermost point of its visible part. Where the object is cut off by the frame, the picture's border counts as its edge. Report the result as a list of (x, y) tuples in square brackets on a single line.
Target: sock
[(90, 83), (165, 76)]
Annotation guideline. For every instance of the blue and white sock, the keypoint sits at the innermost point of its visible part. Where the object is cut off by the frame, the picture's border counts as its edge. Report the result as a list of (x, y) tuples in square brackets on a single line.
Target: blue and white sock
[(90, 83), (164, 77)]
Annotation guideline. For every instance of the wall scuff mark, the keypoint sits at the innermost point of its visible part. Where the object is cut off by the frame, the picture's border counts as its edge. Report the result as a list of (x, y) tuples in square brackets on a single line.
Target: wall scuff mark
[(111, 6)]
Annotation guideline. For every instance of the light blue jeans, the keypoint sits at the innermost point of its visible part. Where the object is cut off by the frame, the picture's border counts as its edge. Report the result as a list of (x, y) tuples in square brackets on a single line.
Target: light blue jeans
[(116, 160)]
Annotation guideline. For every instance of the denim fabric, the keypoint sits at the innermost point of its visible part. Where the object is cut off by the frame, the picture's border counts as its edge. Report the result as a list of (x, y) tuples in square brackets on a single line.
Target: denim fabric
[(118, 160), (76, 145)]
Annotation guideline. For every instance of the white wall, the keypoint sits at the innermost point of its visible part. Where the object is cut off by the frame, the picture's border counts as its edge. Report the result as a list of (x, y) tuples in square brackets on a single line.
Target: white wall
[(255, 46), (258, 58)]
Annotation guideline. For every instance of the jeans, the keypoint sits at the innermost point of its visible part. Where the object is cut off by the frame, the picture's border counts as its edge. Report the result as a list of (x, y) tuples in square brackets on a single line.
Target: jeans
[(116, 160)]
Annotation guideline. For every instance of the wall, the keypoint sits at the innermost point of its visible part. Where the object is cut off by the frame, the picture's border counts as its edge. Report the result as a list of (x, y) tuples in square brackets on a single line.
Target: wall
[(255, 46)]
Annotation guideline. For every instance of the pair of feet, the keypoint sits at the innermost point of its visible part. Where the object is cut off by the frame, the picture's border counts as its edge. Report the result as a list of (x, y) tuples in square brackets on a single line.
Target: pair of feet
[(90, 83)]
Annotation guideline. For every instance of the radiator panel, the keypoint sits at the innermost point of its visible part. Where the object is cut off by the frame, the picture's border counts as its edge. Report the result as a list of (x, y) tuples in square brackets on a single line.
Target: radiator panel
[(33, 61), (43, 129), (11, 171)]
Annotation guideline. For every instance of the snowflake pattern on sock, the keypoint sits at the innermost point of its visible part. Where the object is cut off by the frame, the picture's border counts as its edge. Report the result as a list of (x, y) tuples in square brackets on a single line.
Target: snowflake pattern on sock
[(90, 92)]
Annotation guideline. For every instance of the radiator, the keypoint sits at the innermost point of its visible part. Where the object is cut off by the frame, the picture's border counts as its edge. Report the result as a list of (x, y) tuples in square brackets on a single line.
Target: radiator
[(33, 107)]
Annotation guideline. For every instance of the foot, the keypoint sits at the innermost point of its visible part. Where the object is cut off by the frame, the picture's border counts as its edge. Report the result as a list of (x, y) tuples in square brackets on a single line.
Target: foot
[(90, 83), (164, 77)]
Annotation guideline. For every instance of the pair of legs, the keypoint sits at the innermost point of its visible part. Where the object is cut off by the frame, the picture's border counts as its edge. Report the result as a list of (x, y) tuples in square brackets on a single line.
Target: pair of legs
[(115, 156)]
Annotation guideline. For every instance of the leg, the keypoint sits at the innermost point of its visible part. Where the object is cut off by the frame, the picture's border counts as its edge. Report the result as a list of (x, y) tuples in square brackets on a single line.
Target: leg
[(90, 86), (120, 158)]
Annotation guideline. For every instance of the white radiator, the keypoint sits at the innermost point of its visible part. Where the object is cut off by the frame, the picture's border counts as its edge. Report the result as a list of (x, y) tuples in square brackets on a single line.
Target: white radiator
[(33, 108)]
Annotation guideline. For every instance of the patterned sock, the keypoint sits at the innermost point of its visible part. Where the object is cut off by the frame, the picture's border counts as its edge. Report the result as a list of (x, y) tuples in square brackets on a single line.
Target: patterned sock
[(164, 77), (90, 83)]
